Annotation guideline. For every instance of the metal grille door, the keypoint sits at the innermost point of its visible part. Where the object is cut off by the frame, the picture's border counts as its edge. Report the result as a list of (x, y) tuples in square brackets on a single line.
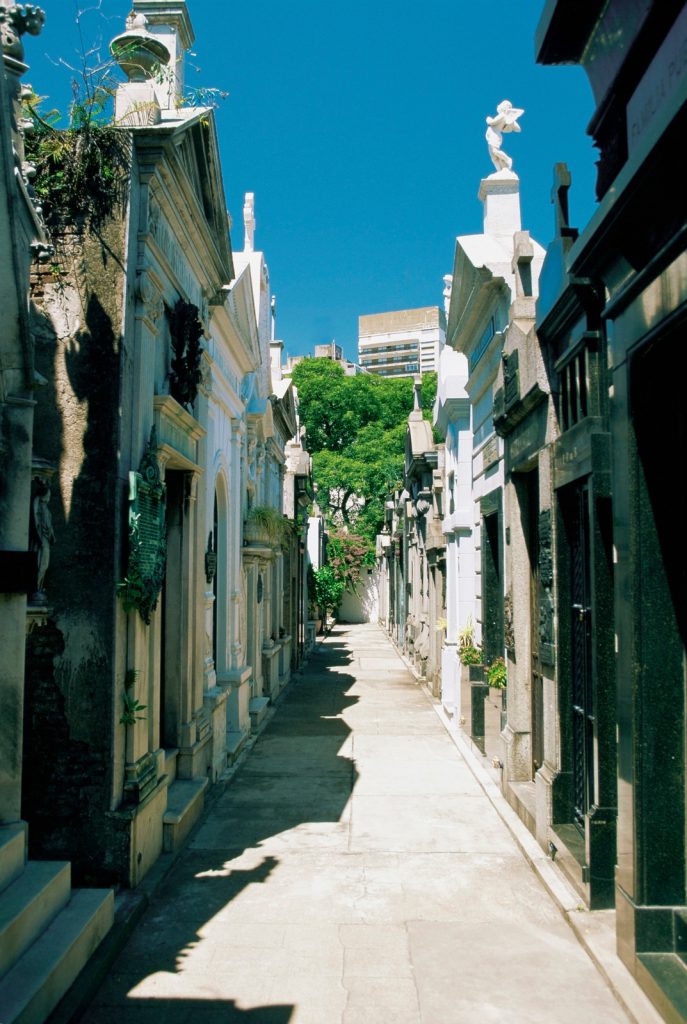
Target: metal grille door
[(582, 708)]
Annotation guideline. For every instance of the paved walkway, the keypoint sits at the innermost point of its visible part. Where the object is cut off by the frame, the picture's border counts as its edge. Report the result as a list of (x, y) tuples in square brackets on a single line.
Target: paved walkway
[(353, 871)]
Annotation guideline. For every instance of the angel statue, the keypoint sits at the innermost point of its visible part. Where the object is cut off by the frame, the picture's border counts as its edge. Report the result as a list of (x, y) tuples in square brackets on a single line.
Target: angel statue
[(506, 120)]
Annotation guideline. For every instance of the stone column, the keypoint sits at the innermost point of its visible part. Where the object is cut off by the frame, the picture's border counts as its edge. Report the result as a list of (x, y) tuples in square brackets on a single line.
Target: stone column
[(14, 531), (518, 573), (20, 232), (189, 700), (236, 657)]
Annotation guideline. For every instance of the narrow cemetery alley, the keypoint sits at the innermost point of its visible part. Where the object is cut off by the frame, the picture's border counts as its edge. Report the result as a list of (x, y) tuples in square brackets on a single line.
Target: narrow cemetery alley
[(353, 870)]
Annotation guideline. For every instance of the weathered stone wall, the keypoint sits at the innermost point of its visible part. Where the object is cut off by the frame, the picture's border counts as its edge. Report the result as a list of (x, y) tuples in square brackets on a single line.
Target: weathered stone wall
[(70, 713)]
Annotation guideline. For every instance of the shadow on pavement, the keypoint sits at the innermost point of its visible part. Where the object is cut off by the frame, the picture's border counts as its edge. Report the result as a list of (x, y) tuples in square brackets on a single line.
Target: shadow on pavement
[(295, 776)]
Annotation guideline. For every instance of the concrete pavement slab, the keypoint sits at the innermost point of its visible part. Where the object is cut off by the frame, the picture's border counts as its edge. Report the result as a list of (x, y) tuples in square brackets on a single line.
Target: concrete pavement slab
[(426, 823), (353, 871), (460, 970)]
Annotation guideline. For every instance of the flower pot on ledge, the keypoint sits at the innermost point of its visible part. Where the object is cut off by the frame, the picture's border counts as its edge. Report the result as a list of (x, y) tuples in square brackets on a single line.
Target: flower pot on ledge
[(255, 535)]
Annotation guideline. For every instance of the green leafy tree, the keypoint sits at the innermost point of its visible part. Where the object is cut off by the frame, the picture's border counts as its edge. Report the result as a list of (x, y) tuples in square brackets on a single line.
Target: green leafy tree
[(328, 589), (356, 429)]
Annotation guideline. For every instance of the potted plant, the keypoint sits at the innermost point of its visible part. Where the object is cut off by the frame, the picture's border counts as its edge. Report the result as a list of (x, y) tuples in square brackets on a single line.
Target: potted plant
[(496, 678), (496, 674), (475, 689), (469, 652), (264, 526)]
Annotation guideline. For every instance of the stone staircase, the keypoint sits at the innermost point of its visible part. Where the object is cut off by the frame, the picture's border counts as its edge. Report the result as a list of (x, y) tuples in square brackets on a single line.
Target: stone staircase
[(48, 930)]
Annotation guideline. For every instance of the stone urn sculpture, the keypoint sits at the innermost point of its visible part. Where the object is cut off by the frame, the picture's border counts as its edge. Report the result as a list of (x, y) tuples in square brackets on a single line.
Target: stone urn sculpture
[(138, 52)]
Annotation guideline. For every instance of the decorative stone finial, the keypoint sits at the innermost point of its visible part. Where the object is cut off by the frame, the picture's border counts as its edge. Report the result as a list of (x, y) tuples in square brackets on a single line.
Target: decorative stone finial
[(417, 399), (137, 51), (448, 287), (249, 221), (506, 120)]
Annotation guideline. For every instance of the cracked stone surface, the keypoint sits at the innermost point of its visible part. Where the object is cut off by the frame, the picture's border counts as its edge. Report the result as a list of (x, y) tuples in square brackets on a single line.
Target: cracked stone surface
[(353, 871)]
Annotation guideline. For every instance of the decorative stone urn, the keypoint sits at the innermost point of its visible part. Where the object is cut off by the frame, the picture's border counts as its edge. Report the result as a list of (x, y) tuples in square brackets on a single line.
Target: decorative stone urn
[(137, 51), (255, 534)]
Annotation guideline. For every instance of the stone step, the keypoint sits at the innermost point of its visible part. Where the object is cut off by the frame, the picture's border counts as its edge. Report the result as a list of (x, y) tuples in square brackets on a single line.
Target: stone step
[(171, 765), (235, 744), (28, 906), (185, 802), (12, 853), (257, 708), (39, 979)]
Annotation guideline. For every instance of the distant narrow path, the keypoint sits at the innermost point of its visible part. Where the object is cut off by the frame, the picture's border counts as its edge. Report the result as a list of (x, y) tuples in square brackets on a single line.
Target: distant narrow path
[(354, 871)]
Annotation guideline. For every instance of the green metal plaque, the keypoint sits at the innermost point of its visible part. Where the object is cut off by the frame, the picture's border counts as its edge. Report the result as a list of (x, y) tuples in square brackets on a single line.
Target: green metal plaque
[(147, 536)]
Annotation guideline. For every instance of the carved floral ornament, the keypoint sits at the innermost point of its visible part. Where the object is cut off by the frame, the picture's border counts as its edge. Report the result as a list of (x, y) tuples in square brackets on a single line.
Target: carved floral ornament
[(186, 332), (149, 295), (16, 21)]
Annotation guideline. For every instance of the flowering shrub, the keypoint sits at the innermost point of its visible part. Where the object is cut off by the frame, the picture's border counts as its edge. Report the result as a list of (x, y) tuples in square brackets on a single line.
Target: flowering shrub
[(347, 554)]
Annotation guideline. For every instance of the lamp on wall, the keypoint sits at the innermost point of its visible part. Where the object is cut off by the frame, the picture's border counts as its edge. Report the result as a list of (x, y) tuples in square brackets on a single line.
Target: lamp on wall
[(302, 495)]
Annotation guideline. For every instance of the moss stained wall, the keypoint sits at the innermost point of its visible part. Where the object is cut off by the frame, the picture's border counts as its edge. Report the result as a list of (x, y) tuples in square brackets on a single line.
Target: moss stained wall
[(70, 714)]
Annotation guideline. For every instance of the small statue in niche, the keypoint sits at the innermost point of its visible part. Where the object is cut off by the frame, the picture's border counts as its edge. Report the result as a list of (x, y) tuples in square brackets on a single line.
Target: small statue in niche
[(42, 536)]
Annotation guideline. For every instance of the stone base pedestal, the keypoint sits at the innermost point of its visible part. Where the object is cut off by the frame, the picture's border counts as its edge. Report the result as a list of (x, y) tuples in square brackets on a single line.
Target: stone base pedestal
[(237, 686), (258, 709), (270, 671), (450, 682), (284, 661), (215, 701), (137, 832), (192, 761), (544, 779), (500, 194), (517, 755)]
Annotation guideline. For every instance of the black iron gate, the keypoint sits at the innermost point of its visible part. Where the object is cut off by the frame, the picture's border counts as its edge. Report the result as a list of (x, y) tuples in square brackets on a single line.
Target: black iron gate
[(582, 705)]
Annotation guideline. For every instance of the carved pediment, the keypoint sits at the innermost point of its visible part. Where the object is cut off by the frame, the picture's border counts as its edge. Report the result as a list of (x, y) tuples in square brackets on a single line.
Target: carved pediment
[(188, 156), (243, 313), (193, 173)]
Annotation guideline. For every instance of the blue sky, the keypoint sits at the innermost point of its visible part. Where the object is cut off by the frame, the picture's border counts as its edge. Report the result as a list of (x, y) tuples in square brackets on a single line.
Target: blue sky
[(360, 128)]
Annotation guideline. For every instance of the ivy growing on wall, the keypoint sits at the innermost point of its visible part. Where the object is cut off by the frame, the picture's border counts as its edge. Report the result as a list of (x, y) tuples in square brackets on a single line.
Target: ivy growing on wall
[(81, 167)]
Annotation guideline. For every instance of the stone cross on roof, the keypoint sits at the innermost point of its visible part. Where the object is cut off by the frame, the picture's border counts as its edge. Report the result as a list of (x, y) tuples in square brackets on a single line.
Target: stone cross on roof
[(523, 254), (559, 198)]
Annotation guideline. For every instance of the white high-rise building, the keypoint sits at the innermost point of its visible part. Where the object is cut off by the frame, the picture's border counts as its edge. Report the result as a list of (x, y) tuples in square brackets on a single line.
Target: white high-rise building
[(401, 343)]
